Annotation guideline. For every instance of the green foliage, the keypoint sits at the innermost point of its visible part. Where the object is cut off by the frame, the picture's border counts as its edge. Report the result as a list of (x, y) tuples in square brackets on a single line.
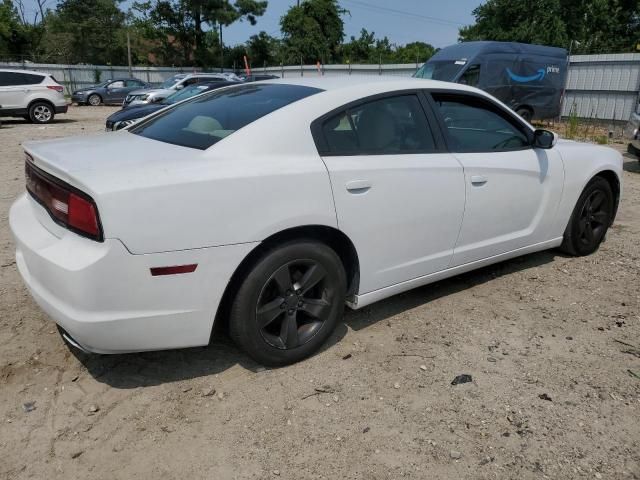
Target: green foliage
[(87, 31), (184, 32), (313, 31), (14, 36), (594, 26), (263, 49), (368, 49), (573, 123)]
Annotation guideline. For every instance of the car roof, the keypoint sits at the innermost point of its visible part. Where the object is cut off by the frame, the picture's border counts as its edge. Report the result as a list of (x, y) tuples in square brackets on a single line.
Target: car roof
[(377, 82), (470, 49)]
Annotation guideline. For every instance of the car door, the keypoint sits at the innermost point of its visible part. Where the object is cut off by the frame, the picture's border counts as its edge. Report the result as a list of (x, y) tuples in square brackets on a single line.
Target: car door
[(115, 92), (398, 195), (13, 91), (512, 189)]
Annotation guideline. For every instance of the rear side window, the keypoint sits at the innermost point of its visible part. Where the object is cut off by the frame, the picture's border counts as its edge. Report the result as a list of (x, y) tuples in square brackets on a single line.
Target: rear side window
[(390, 125), (8, 79), (207, 119), (31, 79), (474, 125)]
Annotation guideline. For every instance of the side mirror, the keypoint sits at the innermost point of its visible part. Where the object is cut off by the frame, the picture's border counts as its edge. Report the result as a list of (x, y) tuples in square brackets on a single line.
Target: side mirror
[(544, 139), (179, 87)]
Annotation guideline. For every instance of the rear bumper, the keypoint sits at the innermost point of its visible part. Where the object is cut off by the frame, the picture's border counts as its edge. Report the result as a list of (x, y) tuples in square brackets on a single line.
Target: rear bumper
[(62, 109), (106, 298)]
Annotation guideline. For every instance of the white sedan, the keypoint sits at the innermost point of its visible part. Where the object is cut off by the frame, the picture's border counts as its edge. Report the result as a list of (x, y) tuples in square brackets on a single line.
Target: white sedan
[(268, 206)]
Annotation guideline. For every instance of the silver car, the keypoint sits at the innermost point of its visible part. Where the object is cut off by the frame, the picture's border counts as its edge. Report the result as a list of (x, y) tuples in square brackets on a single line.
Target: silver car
[(632, 132), (171, 85)]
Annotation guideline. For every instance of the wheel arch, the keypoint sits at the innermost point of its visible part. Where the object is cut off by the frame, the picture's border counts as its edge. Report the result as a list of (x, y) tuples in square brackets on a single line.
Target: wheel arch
[(41, 100), (525, 106), (330, 236), (614, 182)]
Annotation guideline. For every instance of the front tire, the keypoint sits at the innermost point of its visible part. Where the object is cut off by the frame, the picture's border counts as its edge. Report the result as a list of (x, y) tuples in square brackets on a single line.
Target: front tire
[(590, 219), (41, 112), (94, 100), (289, 303), (525, 113)]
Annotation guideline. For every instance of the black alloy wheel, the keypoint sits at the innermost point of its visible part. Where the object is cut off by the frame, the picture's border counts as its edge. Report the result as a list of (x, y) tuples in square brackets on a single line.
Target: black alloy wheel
[(289, 303), (294, 304), (591, 218)]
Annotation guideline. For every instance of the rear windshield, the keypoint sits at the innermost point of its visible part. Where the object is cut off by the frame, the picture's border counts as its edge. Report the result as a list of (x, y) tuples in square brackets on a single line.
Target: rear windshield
[(207, 119)]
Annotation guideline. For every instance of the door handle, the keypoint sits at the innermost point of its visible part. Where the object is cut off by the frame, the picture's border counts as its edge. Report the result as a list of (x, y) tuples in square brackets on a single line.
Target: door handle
[(358, 186), (479, 180)]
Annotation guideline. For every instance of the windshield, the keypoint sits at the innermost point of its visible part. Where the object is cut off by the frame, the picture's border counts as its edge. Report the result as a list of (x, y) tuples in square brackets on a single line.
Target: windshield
[(207, 119), (446, 70), (184, 94), (170, 82)]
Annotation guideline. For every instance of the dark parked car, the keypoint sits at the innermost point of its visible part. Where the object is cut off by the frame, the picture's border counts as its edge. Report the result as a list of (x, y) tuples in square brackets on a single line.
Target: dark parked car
[(128, 116), (257, 78), (111, 91)]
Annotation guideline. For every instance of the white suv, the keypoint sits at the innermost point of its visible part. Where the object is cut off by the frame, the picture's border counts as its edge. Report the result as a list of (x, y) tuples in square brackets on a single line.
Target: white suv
[(35, 96)]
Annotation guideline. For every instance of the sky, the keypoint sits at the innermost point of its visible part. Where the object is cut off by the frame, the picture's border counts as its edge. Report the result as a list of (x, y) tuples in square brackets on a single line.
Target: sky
[(402, 21)]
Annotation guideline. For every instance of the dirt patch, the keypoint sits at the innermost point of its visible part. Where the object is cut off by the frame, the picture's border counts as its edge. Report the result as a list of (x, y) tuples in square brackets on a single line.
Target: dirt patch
[(551, 394)]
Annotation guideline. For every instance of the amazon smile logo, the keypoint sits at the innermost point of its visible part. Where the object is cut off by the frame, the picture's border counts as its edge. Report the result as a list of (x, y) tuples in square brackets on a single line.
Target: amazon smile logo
[(532, 78), (539, 76)]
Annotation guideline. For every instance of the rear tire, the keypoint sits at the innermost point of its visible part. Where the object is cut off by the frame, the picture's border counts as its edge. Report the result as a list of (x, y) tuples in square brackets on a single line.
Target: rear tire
[(289, 303), (590, 219), (41, 112)]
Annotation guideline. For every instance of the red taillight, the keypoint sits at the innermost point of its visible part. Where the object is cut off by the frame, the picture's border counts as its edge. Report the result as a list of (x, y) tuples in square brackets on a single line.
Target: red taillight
[(67, 206), (82, 215), (57, 88)]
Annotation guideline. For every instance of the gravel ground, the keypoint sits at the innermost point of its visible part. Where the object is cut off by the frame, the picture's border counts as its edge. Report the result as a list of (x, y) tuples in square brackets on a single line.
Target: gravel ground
[(552, 395)]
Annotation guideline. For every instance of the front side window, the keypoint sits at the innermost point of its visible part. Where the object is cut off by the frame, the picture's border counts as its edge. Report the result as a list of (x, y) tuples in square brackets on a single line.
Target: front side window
[(445, 70), (390, 125), (207, 119), (170, 82), (473, 125), (471, 76)]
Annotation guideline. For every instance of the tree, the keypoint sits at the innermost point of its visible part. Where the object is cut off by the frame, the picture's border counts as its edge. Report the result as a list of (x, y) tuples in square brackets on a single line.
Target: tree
[(262, 49), (13, 38), (187, 26), (525, 21), (313, 31), (368, 49), (590, 26), (418, 52), (87, 31)]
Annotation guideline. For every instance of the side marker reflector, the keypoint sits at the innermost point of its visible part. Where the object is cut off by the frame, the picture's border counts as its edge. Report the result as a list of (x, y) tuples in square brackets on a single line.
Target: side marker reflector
[(174, 270)]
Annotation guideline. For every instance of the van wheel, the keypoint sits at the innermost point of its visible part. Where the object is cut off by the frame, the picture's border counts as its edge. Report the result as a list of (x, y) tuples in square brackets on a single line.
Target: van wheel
[(525, 113), (289, 303), (41, 112)]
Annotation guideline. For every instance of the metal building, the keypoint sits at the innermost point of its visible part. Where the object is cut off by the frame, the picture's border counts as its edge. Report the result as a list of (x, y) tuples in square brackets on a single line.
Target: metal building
[(604, 87)]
